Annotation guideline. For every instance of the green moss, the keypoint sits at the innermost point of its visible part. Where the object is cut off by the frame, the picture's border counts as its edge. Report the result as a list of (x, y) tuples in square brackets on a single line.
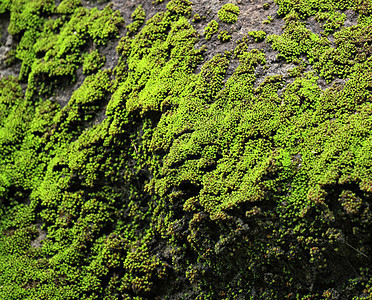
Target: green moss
[(196, 18), (104, 25), (332, 21), (5, 6), (179, 7), (258, 36), (211, 29), (155, 180), (138, 17), (228, 13), (268, 20), (224, 36), (295, 41), (68, 6), (93, 62)]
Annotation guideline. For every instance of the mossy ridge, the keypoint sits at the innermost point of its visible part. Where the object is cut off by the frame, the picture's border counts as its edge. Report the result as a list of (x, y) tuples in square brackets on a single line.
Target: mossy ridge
[(138, 17), (28, 163), (211, 29), (238, 176), (192, 177), (50, 194), (258, 36)]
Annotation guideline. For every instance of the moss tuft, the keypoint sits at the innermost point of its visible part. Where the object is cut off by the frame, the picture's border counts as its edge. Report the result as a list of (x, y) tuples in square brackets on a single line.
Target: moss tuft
[(211, 29), (228, 13)]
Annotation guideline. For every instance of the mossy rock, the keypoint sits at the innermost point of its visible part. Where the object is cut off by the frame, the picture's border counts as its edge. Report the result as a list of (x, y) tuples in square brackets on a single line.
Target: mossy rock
[(183, 171)]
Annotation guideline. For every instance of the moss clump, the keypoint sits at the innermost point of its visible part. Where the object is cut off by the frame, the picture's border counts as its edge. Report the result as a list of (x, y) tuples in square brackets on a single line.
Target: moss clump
[(258, 36), (295, 41), (68, 6), (332, 21), (93, 62), (196, 18), (211, 29), (138, 17), (229, 13), (224, 36), (179, 7), (268, 20)]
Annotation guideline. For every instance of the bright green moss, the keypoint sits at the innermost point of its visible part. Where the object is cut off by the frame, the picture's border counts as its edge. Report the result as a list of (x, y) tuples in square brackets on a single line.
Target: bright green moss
[(196, 18), (27, 18), (224, 36), (10, 96), (5, 6), (228, 13), (303, 8), (239, 187), (93, 62), (343, 60), (26, 15), (296, 40), (331, 21), (258, 36), (268, 20), (138, 17), (179, 7), (68, 6), (211, 29), (296, 71), (104, 25), (62, 45)]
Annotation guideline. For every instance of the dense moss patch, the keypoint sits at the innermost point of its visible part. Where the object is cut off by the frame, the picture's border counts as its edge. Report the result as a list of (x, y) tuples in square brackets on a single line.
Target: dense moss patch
[(156, 180), (228, 13)]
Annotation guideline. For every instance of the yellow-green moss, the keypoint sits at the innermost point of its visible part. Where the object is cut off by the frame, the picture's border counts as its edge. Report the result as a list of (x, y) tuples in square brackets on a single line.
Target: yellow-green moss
[(93, 62), (211, 29), (155, 180), (224, 36), (229, 13)]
